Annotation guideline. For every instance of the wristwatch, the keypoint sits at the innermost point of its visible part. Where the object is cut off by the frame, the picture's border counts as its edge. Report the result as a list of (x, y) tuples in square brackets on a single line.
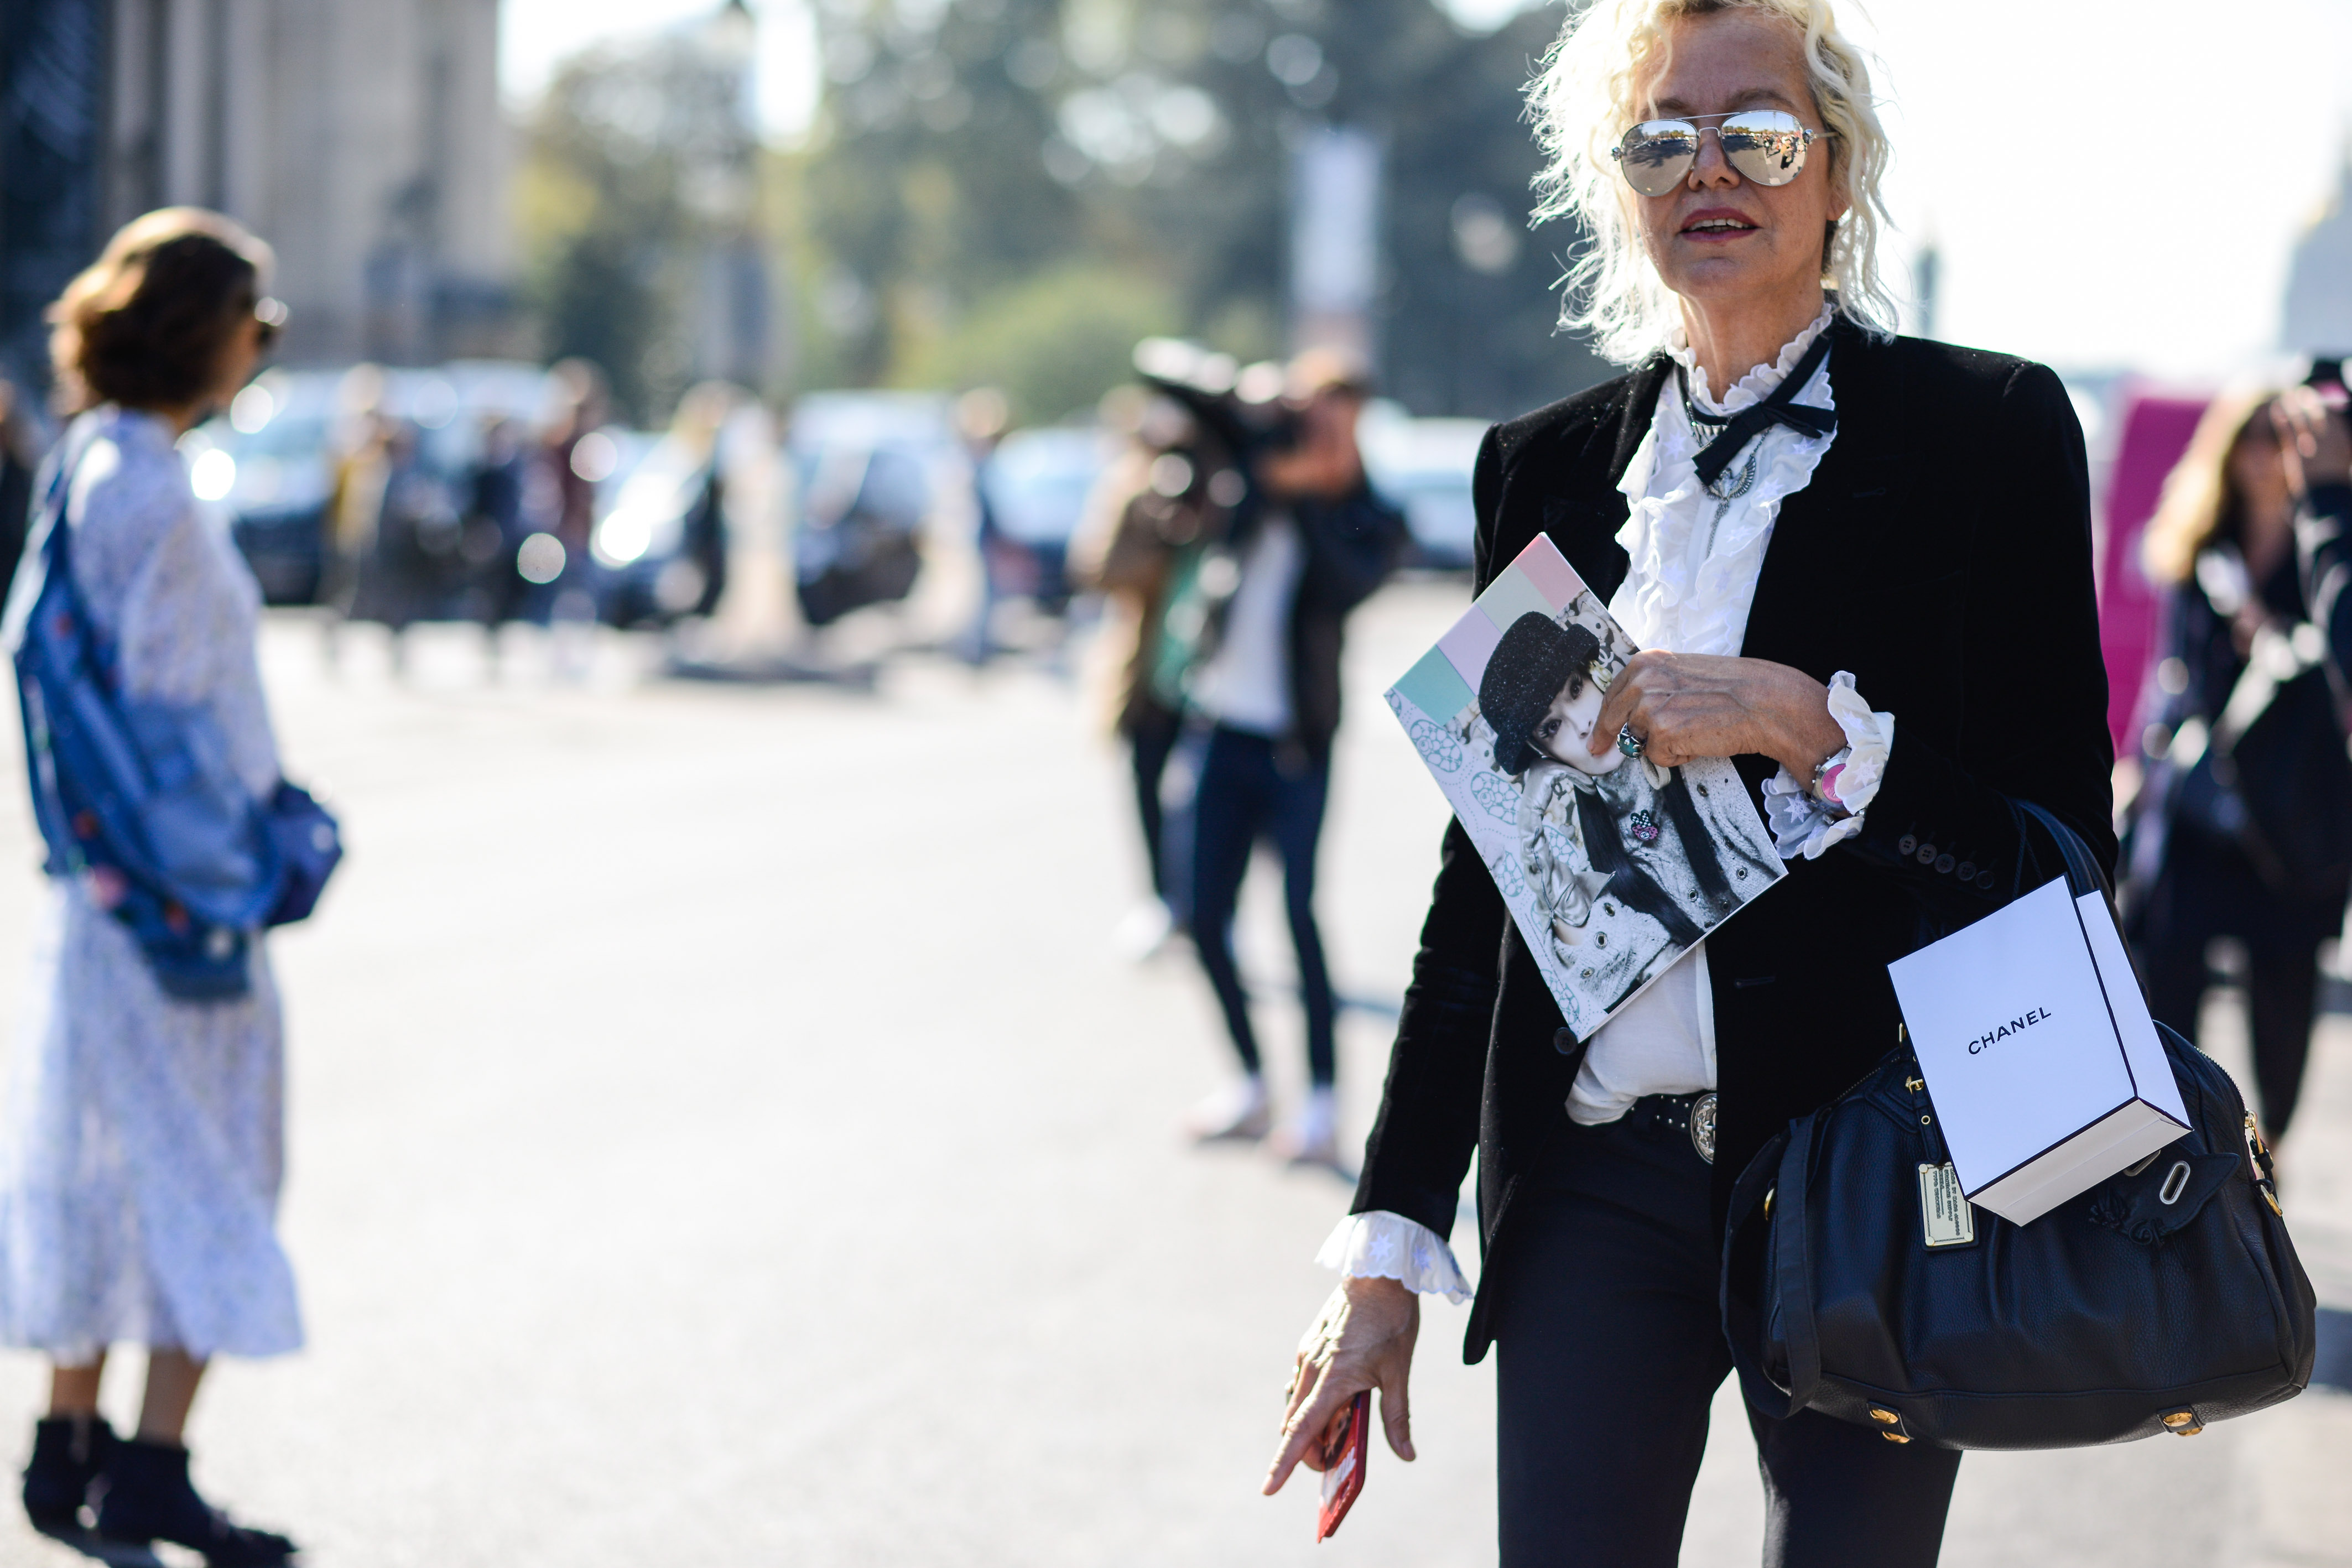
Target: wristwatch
[(1825, 775)]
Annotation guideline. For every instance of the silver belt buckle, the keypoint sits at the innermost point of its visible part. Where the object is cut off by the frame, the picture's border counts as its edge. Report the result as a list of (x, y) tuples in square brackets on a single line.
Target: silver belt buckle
[(1702, 1126)]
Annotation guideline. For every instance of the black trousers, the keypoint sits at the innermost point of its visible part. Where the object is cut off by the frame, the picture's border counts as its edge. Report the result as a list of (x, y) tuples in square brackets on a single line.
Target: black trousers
[(1151, 734), (1610, 1347), (1247, 790), (2209, 889)]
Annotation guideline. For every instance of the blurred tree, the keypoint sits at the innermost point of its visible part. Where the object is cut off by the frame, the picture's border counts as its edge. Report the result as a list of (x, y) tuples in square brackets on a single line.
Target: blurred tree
[(925, 187), (967, 143), (1466, 313), (1054, 344), (636, 175)]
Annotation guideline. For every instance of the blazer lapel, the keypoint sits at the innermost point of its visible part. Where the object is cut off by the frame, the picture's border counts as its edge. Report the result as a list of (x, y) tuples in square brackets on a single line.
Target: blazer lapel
[(1826, 531), (1578, 505)]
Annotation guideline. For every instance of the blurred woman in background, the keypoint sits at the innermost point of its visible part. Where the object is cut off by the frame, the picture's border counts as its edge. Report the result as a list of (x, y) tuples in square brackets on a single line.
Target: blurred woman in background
[(139, 1197), (2244, 826), (1148, 515)]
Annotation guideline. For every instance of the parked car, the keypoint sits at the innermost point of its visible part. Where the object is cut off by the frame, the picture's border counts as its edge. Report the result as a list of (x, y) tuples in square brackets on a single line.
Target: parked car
[(1034, 490), (1423, 466), (271, 460), (867, 463), (268, 462), (659, 543), (861, 514)]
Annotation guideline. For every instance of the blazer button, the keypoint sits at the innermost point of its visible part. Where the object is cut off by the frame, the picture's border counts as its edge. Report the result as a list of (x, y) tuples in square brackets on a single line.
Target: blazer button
[(1984, 880), (1926, 856), (1944, 865), (1563, 1040), (1967, 871), (1905, 844)]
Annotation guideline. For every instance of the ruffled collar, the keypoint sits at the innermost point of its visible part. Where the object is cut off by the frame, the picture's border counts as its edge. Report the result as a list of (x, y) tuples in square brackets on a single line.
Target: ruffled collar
[(1692, 559), (1758, 383)]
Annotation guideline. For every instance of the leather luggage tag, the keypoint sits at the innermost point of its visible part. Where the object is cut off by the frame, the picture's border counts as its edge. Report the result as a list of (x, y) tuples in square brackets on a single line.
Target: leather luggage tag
[(1949, 1219)]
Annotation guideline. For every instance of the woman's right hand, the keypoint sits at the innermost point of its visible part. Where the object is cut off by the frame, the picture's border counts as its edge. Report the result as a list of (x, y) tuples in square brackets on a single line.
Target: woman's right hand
[(1362, 1339)]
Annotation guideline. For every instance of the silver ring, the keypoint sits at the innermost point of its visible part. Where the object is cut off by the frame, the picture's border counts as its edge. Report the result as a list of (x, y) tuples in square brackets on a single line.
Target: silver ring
[(1628, 742)]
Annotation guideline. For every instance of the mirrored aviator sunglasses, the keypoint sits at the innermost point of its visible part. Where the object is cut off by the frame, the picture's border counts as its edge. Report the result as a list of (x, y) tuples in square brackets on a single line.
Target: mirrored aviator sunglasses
[(1765, 145)]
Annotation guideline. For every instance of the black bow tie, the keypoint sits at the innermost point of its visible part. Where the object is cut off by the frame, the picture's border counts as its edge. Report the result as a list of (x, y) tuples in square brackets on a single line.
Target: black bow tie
[(1778, 409)]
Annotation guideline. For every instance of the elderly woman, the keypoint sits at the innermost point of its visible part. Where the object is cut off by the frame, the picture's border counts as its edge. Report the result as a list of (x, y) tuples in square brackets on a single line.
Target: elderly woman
[(1860, 567), (139, 1194)]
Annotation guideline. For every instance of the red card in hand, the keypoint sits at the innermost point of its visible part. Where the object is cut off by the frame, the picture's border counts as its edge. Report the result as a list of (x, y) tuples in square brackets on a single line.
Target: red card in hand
[(1343, 1464)]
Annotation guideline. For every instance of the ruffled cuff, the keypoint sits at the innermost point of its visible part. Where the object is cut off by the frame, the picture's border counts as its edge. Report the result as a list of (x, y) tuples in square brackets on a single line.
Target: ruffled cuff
[(1384, 1246), (1806, 824), (1870, 737)]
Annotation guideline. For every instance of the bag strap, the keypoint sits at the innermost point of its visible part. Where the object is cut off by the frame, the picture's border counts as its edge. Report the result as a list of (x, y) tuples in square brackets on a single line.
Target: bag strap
[(47, 539), (2083, 873), (1782, 1166)]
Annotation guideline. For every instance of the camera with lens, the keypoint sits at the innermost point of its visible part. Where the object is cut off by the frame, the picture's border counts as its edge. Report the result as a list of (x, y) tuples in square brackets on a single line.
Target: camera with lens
[(1234, 415)]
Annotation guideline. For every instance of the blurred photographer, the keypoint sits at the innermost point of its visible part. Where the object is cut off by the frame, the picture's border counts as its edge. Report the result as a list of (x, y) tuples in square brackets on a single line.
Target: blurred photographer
[(1306, 544)]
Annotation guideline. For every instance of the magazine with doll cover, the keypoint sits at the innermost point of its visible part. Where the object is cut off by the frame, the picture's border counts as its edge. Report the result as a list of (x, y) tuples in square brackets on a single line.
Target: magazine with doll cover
[(1614, 866)]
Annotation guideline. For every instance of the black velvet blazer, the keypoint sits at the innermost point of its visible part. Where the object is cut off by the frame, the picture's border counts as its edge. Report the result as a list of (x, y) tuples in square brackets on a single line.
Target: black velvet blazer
[(1942, 553)]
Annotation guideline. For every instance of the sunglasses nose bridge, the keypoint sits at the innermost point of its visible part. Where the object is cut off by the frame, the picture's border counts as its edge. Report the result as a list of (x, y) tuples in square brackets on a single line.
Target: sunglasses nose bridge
[(1708, 163)]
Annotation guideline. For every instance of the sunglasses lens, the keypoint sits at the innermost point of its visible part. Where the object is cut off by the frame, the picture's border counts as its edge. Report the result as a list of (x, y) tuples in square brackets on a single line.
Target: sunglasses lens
[(1657, 153), (1766, 146)]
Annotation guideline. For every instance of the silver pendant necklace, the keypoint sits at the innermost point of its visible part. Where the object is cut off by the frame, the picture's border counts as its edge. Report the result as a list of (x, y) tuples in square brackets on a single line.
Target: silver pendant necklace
[(1728, 486), (1704, 432)]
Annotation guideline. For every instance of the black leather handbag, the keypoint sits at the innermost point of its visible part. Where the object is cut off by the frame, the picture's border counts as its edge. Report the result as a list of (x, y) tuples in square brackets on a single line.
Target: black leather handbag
[(2166, 1298)]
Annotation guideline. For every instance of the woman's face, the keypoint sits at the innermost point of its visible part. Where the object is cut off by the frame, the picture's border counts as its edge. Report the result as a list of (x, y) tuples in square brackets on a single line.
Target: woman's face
[(1565, 733), (1716, 237), (241, 356), (2256, 471)]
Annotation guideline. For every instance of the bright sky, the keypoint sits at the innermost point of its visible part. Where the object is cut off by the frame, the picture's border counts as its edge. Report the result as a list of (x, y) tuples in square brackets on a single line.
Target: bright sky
[(2096, 174)]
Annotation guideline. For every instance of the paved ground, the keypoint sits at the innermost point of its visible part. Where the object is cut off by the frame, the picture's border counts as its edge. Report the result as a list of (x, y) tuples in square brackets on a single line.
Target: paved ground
[(722, 1133)]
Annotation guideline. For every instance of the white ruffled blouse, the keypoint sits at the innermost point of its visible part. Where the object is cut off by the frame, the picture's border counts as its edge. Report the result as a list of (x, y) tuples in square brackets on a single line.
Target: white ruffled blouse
[(1694, 561)]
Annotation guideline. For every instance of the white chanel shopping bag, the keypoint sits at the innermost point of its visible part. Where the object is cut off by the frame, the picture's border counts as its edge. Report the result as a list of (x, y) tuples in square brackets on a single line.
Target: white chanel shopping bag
[(2039, 1056)]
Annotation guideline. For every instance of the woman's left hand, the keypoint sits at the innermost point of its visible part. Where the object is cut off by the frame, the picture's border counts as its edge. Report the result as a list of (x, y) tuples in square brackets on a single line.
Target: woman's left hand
[(1685, 707)]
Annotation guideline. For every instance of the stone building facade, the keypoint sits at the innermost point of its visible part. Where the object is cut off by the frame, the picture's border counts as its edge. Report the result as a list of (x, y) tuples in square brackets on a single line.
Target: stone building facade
[(362, 138)]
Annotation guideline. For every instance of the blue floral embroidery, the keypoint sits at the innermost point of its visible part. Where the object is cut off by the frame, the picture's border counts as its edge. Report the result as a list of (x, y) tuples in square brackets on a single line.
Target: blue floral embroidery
[(1437, 746), (1497, 794)]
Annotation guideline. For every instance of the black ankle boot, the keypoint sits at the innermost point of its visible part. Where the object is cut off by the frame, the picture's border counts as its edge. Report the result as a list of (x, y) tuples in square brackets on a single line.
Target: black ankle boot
[(69, 1452), (148, 1498)]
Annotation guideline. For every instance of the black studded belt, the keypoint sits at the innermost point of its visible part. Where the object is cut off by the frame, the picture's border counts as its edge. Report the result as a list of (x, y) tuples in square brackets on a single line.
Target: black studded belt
[(1693, 1114)]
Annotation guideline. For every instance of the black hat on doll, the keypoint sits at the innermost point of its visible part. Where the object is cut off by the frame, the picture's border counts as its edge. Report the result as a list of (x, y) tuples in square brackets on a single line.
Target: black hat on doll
[(1536, 660)]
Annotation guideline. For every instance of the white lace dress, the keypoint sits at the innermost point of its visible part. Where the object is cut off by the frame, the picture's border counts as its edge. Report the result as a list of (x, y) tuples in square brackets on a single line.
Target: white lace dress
[(140, 1172)]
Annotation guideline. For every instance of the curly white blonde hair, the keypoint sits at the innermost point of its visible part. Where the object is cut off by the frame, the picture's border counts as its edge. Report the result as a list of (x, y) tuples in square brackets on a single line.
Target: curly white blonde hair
[(1585, 94)]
